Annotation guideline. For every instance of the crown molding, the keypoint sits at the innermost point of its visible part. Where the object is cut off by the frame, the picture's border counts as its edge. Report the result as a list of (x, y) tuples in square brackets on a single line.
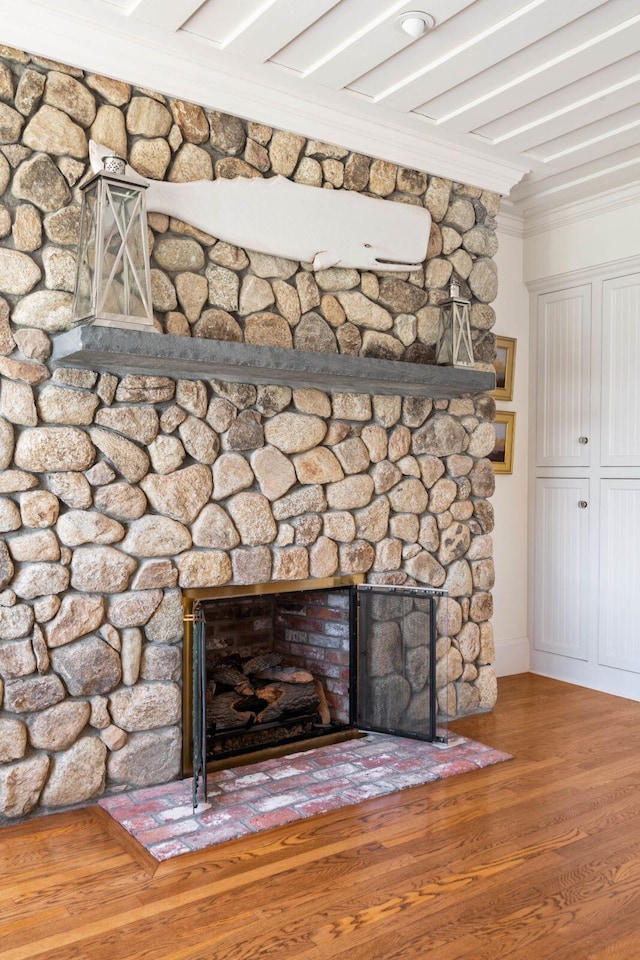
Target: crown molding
[(510, 223), (186, 67), (606, 202)]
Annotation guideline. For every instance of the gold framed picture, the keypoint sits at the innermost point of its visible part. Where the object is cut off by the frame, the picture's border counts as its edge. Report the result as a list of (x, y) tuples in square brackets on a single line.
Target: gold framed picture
[(504, 364), (502, 454)]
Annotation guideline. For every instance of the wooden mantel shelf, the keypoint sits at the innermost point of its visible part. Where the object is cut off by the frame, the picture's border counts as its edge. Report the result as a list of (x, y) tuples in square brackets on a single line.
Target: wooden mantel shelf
[(106, 349)]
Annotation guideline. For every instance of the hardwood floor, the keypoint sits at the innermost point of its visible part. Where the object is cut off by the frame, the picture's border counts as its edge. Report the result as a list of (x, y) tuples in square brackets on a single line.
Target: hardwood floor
[(534, 859)]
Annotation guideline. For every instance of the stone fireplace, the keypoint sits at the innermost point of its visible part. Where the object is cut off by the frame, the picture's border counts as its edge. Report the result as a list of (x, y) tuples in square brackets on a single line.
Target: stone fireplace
[(132, 474)]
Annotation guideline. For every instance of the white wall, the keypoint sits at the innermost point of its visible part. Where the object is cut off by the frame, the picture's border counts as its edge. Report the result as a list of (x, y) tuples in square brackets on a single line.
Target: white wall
[(610, 235), (510, 499)]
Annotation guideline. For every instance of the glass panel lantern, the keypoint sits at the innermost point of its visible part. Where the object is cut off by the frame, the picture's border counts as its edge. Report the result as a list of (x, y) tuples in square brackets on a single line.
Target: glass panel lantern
[(454, 333), (113, 283)]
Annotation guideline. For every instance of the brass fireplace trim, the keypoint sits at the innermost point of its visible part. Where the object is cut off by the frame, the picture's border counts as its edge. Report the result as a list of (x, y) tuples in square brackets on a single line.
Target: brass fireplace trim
[(194, 595)]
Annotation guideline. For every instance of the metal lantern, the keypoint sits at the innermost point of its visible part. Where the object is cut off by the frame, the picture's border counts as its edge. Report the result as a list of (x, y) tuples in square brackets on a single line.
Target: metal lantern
[(113, 283), (454, 333)]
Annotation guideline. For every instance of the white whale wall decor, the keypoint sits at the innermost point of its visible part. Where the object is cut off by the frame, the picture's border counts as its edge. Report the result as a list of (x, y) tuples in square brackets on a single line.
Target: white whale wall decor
[(328, 228)]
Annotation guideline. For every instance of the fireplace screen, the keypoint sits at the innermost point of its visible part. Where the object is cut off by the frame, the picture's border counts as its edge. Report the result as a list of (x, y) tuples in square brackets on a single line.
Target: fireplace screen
[(277, 666)]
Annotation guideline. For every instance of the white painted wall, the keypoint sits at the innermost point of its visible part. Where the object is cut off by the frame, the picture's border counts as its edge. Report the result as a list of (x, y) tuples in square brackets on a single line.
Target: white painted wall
[(511, 497), (585, 240)]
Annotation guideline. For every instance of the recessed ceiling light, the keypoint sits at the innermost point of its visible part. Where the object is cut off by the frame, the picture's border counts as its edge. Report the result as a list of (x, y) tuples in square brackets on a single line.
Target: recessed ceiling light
[(415, 23)]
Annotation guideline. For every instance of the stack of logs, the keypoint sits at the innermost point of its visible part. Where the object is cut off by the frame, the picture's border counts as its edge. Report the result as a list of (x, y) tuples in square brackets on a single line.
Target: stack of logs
[(245, 691)]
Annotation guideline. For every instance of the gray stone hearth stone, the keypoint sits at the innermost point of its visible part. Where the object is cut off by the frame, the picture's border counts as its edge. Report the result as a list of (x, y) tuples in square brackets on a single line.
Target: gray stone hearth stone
[(21, 784), (88, 666), (77, 774), (188, 358), (147, 758), (58, 727)]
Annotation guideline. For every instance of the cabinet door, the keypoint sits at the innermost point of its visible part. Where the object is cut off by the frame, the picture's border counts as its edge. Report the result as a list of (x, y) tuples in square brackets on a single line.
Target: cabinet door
[(620, 371), (618, 636), (564, 351), (560, 567)]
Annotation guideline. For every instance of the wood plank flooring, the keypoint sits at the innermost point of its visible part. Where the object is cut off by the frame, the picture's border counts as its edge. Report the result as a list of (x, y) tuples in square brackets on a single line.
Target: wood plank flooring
[(535, 859)]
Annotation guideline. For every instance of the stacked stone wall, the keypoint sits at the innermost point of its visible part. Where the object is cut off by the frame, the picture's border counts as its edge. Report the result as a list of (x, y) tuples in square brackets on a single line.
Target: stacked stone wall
[(116, 492)]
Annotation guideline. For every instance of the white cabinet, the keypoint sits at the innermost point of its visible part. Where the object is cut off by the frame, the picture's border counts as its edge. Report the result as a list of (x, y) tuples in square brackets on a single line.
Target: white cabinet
[(619, 555), (561, 548), (564, 351), (620, 433), (585, 560)]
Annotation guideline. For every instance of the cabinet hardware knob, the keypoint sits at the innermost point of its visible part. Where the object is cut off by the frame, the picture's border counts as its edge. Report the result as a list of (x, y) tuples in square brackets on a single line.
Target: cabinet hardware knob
[(582, 504), (583, 439)]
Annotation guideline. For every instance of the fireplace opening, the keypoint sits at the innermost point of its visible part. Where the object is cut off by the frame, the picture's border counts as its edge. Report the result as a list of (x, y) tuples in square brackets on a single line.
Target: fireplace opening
[(277, 669), (278, 663)]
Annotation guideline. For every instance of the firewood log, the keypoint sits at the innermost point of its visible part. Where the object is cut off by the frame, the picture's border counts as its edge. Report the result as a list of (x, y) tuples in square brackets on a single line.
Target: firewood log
[(233, 678), (288, 674), (256, 664), (287, 700), (225, 710)]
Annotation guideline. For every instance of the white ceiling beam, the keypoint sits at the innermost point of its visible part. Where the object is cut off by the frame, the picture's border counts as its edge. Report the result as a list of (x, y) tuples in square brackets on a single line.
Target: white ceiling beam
[(538, 69), (105, 42), (520, 128), (276, 27), (499, 45), (600, 108), (165, 14)]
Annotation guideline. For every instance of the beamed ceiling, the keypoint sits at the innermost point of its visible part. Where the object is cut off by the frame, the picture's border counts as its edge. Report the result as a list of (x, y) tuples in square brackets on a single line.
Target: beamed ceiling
[(538, 98)]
